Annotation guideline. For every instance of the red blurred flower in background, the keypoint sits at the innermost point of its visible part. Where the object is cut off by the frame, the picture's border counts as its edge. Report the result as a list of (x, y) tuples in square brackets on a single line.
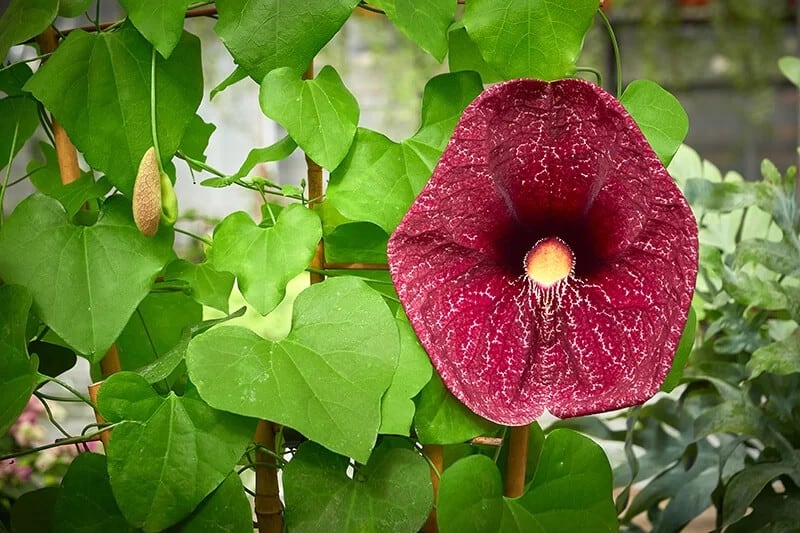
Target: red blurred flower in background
[(550, 261)]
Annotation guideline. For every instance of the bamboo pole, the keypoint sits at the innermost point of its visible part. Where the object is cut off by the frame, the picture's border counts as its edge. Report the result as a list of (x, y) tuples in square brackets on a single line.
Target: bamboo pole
[(517, 461), (269, 508)]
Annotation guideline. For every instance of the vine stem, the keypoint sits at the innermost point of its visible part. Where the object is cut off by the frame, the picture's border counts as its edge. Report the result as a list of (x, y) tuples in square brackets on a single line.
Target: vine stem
[(517, 461), (153, 128), (61, 442), (615, 47), (8, 171)]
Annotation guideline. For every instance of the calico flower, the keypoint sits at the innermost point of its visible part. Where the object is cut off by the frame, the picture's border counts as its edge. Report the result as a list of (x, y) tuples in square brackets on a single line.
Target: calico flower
[(550, 261)]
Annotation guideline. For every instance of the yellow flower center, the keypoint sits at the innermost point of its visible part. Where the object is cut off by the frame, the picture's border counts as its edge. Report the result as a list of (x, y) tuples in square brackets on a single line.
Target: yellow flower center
[(549, 261)]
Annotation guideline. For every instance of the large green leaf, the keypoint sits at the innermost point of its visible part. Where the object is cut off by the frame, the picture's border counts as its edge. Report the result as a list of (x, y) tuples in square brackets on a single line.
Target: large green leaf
[(321, 115), (660, 116), (190, 449), (463, 54), (423, 21), (226, 510), (441, 419), (412, 373), (209, 286), (101, 272), (33, 511), (18, 375), (98, 87), (155, 328), (23, 20), (745, 485), (85, 502), (264, 260), (325, 379), (263, 35), (379, 178), (530, 38), (161, 23), (570, 491), (392, 492), (73, 8)]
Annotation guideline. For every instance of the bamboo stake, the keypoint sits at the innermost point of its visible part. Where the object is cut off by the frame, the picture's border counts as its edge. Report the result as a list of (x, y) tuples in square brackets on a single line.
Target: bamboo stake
[(517, 461), (435, 453), (269, 508)]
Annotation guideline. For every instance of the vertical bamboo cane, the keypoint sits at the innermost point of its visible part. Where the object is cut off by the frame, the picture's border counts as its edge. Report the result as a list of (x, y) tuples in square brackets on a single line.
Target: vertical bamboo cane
[(435, 453), (70, 172), (517, 461)]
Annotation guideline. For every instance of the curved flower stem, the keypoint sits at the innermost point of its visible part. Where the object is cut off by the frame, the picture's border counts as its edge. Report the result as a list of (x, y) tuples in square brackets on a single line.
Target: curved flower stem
[(50, 416), (153, 128), (8, 171), (192, 235), (615, 46), (62, 442), (434, 453), (594, 71), (77, 394), (517, 461), (333, 273)]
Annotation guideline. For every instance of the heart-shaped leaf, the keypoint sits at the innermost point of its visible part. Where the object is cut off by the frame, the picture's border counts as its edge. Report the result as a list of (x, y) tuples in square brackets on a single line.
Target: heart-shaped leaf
[(530, 38), (98, 87), (265, 259), (379, 178), (413, 372), (423, 21), (227, 509), (161, 23), (659, 115), (209, 286), (85, 502), (263, 35), (325, 379), (321, 115), (191, 448), (110, 267), (392, 492), (18, 375), (570, 491), (441, 419)]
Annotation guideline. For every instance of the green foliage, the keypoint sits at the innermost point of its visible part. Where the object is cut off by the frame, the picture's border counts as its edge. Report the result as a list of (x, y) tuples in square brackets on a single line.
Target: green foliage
[(348, 381)]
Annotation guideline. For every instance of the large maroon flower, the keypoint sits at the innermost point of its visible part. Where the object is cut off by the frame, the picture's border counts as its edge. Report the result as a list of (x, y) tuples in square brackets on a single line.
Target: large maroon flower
[(549, 263)]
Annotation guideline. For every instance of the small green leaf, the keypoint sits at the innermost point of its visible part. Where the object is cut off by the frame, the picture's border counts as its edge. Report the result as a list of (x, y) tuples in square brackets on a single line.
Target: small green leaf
[(23, 20), (470, 496), (325, 379), (781, 358), (379, 178), (263, 35), (161, 23), (226, 509), (155, 328), (464, 55), (85, 502), (412, 373), (110, 267), (20, 121), (13, 78), (423, 21), (209, 286), (723, 196), (660, 116), (781, 257), (18, 376), (54, 360), (441, 419), (274, 152), (790, 67), (265, 259), (195, 141), (191, 449), (392, 492), (682, 353), (47, 179), (234, 77), (321, 115), (98, 87), (735, 416), (530, 38)]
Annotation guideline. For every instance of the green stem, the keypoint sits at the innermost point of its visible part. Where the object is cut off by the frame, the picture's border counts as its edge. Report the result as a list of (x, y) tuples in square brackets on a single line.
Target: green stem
[(154, 131), (615, 46), (81, 397), (593, 71), (201, 165), (333, 273), (50, 415), (29, 60), (8, 172), (61, 442), (26, 176), (56, 398), (192, 235)]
